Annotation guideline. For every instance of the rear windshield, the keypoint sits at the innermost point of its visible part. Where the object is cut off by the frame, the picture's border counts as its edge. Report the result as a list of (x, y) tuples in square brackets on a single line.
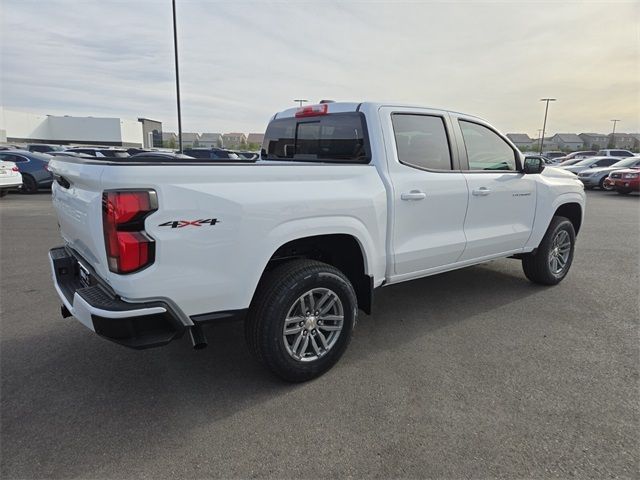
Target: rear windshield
[(338, 138)]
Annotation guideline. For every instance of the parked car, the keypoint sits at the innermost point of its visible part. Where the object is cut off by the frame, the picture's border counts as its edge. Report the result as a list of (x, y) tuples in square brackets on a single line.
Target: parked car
[(347, 197), (211, 153), (624, 181), (159, 156), (33, 166), (100, 152), (11, 147), (595, 177), (571, 161), (615, 153), (10, 177), (67, 153), (248, 155), (591, 162), (44, 147), (577, 155), (552, 155)]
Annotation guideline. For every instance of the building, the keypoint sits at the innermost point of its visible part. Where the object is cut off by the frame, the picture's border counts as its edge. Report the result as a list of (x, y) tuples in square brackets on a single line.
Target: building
[(594, 141), (567, 141), (628, 141), (254, 139), (211, 140), (23, 127), (169, 140), (521, 140), (234, 140), (190, 139), (151, 132)]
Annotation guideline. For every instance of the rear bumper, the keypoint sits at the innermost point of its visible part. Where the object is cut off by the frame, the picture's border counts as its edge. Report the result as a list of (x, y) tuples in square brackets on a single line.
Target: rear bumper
[(11, 184), (590, 181), (135, 325)]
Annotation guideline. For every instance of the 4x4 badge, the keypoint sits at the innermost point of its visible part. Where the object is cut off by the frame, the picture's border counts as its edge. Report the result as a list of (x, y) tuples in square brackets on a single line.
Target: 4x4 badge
[(190, 223)]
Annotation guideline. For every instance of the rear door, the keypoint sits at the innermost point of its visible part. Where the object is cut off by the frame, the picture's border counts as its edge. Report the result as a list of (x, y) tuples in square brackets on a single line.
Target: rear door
[(502, 200), (429, 190)]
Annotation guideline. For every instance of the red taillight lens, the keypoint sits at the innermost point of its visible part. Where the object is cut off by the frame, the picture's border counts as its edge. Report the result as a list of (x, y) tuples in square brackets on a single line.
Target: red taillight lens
[(128, 246), (15, 169), (312, 110)]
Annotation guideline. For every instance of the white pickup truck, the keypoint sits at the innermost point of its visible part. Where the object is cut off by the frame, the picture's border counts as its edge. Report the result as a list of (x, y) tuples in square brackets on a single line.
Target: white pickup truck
[(346, 198)]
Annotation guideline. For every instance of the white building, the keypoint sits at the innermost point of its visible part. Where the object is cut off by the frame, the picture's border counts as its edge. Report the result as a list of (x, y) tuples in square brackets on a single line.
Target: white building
[(22, 127)]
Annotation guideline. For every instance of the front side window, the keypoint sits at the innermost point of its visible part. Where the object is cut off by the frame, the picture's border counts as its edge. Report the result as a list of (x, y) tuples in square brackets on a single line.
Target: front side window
[(421, 141), (338, 137), (486, 150), (606, 162)]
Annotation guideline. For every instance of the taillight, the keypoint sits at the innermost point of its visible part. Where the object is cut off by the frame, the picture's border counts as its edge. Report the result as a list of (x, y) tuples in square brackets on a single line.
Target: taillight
[(15, 169), (128, 246), (312, 110)]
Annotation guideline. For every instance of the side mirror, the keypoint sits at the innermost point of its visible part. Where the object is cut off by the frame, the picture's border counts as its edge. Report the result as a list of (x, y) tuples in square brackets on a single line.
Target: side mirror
[(533, 165)]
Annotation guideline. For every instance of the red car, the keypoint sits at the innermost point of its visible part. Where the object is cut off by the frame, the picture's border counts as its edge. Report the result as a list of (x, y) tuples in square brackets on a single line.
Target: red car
[(624, 181)]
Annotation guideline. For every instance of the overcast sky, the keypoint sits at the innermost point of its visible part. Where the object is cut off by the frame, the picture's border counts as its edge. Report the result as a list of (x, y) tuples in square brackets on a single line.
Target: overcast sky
[(241, 61)]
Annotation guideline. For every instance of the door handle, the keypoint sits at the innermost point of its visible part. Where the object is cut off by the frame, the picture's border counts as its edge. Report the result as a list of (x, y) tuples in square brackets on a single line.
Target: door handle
[(413, 195), (481, 192)]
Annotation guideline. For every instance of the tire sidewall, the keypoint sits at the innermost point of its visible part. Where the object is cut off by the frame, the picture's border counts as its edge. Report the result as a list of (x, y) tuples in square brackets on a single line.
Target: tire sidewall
[(567, 226), (281, 307)]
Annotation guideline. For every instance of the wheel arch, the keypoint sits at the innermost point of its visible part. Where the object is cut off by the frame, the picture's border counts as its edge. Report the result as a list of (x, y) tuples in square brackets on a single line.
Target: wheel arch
[(572, 211), (341, 250)]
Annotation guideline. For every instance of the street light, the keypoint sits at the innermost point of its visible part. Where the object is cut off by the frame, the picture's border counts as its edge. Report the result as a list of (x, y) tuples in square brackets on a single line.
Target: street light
[(300, 101), (539, 139), (613, 134), (544, 125), (175, 49)]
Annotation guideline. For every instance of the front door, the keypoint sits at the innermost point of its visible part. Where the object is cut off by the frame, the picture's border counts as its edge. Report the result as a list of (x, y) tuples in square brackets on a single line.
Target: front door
[(502, 200)]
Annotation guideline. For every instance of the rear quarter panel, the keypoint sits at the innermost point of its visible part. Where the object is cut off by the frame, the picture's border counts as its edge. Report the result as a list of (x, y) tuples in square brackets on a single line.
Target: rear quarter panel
[(257, 209)]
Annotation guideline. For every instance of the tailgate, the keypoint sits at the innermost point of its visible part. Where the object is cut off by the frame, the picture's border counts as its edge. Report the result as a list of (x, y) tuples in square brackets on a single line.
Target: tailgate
[(77, 199)]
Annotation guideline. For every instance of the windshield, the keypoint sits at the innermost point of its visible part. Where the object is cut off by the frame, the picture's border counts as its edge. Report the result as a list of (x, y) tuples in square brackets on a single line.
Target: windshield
[(586, 161), (627, 162), (114, 153)]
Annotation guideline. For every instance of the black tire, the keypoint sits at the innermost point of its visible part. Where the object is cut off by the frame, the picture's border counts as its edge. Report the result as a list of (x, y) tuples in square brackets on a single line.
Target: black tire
[(537, 266), (29, 185), (278, 292), (3, 193), (624, 191)]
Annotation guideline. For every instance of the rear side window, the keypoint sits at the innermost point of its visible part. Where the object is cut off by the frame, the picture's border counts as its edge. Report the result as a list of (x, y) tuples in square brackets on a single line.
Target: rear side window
[(421, 141), (486, 150), (337, 138), (621, 153)]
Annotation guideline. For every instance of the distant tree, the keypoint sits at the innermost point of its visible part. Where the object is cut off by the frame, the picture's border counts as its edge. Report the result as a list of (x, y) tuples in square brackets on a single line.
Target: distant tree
[(219, 143), (252, 146), (171, 143), (243, 144)]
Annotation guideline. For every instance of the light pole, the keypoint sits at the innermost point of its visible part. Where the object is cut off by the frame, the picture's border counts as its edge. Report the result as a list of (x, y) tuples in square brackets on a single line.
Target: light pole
[(175, 49), (300, 101), (540, 139), (544, 125), (613, 134)]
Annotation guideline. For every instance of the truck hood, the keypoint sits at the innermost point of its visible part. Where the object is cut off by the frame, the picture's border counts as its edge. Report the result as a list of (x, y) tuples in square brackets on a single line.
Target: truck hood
[(556, 172)]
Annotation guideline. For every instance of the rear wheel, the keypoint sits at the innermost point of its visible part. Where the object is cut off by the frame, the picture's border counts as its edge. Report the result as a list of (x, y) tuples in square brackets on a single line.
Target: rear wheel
[(29, 185), (301, 320), (624, 191), (552, 260), (3, 193)]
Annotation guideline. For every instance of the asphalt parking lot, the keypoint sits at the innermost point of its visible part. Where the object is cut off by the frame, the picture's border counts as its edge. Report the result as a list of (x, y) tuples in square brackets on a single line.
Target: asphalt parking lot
[(475, 373)]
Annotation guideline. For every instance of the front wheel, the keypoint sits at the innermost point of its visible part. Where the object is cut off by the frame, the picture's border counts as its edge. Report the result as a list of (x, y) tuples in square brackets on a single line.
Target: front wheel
[(301, 319), (624, 191), (552, 260), (3, 192), (605, 186)]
